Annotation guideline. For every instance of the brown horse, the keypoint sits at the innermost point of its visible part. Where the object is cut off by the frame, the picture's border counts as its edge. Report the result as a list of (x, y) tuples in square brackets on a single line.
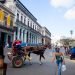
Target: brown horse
[(39, 50)]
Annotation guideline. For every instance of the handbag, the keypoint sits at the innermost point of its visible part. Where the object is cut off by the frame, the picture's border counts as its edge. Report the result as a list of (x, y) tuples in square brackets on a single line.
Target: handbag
[(63, 68)]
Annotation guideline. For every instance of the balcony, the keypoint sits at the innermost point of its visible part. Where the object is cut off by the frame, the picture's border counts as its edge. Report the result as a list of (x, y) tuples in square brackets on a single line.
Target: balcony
[(27, 27), (3, 27)]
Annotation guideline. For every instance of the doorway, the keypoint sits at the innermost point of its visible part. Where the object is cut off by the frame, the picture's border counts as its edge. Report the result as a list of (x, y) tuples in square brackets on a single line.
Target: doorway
[(2, 39)]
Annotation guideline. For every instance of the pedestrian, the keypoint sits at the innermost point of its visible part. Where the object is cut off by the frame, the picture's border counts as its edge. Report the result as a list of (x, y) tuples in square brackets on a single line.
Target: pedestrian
[(59, 57), (16, 45)]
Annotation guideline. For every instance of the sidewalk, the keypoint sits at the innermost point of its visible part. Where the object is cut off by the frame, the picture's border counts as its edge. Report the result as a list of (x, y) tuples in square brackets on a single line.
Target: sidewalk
[(68, 58)]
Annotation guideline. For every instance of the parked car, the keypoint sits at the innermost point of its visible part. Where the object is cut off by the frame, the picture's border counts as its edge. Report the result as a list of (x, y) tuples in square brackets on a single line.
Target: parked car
[(72, 53)]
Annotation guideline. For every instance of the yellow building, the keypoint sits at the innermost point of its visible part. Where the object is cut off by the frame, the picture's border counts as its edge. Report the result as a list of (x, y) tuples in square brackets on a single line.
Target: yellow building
[(6, 25)]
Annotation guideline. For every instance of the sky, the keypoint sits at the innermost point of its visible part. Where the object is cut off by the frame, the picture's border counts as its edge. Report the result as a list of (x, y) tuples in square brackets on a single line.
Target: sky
[(57, 15)]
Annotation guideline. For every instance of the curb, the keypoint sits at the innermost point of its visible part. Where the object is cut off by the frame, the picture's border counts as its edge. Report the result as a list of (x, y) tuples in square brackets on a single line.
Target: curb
[(69, 59)]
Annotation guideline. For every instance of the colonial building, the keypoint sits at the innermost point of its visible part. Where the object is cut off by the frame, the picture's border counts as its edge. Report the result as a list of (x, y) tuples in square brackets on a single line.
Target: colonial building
[(46, 38), (6, 25), (26, 25)]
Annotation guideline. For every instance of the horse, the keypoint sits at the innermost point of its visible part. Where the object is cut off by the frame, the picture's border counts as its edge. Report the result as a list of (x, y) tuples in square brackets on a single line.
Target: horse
[(39, 50)]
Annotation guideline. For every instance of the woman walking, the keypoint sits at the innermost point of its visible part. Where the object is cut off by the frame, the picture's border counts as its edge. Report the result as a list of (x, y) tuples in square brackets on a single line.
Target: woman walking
[(59, 57)]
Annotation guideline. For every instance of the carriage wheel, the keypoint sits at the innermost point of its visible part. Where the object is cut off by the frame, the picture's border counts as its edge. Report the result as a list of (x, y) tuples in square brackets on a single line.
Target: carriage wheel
[(17, 62)]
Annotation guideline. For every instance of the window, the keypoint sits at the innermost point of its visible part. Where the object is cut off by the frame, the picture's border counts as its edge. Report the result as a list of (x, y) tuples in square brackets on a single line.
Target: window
[(25, 20), (17, 16), (35, 27), (31, 24), (11, 23), (21, 18), (28, 22)]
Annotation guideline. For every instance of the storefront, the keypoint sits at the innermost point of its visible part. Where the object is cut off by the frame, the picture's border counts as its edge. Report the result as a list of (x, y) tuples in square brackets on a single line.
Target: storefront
[(6, 35)]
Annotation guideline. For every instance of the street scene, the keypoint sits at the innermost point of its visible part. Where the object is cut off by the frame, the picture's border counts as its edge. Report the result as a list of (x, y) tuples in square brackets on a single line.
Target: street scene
[(47, 68), (37, 38)]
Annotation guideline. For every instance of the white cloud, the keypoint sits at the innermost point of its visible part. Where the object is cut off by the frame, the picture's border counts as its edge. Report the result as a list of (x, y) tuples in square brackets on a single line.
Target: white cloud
[(62, 3), (70, 14), (70, 4)]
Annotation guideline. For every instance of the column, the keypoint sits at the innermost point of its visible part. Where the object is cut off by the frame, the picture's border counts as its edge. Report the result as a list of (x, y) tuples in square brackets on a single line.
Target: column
[(34, 39), (31, 38), (44, 40), (22, 35), (18, 33), (25, 35), (37, 39)]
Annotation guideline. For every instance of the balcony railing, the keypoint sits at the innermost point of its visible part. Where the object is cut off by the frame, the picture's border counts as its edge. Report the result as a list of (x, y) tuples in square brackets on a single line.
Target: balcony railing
[(4, 26), (28, 27)]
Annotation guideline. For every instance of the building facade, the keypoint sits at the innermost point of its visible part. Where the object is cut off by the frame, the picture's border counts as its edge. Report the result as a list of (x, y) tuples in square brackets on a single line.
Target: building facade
[(46, 38), (27, 28), (26, 25), (6, 25)]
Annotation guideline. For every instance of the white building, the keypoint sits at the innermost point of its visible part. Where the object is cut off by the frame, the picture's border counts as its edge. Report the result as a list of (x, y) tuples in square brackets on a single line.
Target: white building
[(46, 39), (26, 25)]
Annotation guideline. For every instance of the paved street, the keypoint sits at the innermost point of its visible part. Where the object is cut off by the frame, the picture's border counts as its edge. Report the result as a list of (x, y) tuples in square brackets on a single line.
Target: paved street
[(47, 68)]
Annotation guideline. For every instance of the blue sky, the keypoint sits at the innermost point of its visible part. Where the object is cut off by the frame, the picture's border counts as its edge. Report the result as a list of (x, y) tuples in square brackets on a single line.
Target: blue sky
[(57, 15)]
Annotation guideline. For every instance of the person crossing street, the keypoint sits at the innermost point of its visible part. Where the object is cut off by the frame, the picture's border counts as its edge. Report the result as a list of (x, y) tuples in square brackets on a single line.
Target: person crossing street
[(59, 57)]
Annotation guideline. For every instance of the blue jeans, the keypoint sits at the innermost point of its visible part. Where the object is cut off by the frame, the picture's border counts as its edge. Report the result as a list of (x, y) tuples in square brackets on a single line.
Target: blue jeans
[(59, 65)]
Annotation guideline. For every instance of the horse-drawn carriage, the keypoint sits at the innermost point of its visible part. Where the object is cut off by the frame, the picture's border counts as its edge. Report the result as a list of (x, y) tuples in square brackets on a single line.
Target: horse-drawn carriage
[(19, 58)]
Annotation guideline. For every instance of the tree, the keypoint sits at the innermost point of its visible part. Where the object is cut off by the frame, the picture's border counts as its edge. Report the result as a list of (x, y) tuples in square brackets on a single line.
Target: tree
[(66, 41), (71, 32)]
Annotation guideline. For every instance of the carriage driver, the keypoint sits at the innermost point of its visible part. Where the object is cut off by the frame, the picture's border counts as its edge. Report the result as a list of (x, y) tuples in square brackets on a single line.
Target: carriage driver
[(18, 43)]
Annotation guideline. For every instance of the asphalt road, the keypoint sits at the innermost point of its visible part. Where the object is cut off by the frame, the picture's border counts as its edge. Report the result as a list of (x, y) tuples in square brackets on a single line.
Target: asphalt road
[(47, 68)]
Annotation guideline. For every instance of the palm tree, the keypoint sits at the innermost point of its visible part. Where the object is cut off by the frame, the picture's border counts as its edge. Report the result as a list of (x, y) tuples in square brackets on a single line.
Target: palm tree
[(71, 32)]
